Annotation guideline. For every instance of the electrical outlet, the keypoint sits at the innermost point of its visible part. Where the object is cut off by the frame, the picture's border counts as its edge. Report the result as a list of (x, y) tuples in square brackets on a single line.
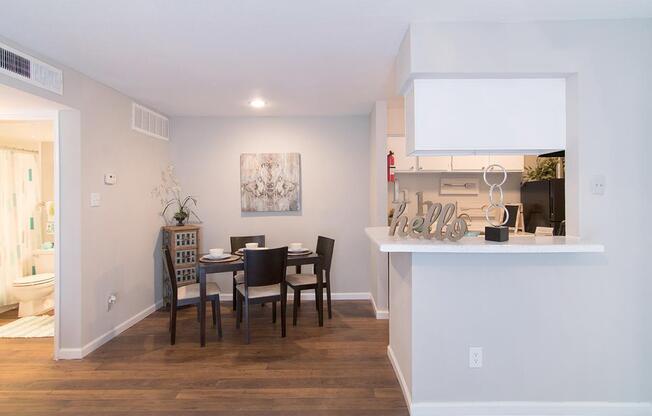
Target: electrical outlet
[(475, 357), (598, 184)]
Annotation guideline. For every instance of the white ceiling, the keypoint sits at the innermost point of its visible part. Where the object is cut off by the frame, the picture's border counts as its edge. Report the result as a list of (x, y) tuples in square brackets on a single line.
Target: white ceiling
[(209, 57)]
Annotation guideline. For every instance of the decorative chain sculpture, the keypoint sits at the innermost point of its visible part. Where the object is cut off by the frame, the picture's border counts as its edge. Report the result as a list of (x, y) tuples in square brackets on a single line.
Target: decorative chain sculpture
[(492, 200)]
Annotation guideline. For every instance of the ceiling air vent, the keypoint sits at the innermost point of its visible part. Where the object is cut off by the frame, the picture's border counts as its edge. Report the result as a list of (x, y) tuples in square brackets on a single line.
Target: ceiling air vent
[(150, 122), (24, 67)]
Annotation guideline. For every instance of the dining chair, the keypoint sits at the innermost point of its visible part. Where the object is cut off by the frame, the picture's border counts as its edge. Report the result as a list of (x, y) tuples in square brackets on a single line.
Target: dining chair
[(238, 242), (264, 281), (304, 281), (189, 295)]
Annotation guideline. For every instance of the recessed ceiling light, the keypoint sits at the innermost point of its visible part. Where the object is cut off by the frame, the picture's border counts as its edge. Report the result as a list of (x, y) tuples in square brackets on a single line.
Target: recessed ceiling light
[(257, 103)]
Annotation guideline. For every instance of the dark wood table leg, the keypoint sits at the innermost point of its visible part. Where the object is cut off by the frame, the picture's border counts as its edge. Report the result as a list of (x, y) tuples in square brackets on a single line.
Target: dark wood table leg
[(320, 293), (202, 306)]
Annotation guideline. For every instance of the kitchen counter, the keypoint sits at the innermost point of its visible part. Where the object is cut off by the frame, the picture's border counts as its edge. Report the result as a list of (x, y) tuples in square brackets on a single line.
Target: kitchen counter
[(525, 243)]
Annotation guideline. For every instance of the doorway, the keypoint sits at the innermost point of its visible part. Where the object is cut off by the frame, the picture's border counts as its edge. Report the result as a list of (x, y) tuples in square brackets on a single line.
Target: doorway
[(29, 217)]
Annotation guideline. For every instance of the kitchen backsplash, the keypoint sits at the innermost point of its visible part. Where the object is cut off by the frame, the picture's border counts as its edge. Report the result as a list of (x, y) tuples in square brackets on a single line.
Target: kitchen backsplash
[(429, 184)]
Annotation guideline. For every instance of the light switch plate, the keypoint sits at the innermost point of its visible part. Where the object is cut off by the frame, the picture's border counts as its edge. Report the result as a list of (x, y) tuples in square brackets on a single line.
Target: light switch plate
[(598, 184), (96, 199)]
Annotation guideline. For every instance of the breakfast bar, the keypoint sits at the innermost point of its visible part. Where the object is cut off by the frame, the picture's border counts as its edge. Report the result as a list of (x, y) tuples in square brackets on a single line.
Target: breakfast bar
[(445, 297)]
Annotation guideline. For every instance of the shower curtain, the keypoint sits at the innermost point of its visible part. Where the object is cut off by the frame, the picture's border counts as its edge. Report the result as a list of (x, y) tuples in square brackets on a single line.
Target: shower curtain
[(20, 233)]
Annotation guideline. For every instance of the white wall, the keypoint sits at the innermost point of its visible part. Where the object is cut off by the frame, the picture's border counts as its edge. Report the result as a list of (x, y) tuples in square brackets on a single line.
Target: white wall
[(334, 185), (554, 327), (111, 248)]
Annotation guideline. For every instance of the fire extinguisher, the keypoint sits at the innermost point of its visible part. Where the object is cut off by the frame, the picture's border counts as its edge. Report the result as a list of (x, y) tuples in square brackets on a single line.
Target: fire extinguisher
[(390, 166)]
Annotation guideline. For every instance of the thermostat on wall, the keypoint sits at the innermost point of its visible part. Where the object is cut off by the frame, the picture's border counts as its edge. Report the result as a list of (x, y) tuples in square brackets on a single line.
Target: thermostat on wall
[(110, 179)]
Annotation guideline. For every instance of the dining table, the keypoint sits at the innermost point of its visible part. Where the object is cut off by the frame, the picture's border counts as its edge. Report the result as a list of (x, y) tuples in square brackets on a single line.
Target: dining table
[(210, 267)]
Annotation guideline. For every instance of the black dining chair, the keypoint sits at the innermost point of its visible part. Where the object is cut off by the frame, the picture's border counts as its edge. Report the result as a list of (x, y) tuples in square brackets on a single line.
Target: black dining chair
[(305, 281), (238, 242), (264, 281), (189, 295)]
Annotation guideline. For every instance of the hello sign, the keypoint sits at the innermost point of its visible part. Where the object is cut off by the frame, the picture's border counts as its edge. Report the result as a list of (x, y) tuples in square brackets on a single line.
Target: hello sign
[(445, 227)]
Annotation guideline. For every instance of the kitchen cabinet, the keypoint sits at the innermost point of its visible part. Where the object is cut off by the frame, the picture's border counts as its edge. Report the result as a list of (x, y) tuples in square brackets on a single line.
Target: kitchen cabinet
[(470, 163), (434, 164), (512, 163), (455, 163), (484, 116), (402, 161), (477, 163)]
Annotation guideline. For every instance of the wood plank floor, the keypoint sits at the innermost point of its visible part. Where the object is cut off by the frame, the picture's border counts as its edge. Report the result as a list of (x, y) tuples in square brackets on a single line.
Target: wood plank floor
[(340, 369)]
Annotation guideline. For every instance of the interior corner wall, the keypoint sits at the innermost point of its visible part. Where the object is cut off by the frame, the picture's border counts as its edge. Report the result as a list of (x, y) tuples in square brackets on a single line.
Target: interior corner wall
[(378, 201), (590, 315), (68, 207), (334, 185), (111, 248)]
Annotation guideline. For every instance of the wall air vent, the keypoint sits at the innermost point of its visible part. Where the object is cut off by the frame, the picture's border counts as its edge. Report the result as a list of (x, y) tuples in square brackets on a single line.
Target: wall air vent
[(24, 67), (150, 122)]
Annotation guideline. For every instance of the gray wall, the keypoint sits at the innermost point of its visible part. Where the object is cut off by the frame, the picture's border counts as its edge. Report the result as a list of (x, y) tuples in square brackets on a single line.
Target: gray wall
[(111, 248), (553, 327), (377, 202), (334, 179)]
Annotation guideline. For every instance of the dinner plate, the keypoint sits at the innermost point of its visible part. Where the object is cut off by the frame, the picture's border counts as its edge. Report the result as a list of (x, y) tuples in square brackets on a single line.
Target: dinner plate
[(227, 259), (302, 249), (220, 257), (299, 253), (241, 251)]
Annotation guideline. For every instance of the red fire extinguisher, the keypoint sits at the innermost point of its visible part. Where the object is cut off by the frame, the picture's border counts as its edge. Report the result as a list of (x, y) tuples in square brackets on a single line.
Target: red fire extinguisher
[(390, 166)]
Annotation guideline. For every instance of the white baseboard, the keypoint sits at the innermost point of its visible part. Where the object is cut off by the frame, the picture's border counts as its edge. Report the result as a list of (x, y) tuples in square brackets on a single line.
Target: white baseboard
[(530, 409), (69, 354), (515, 408), (380, 313), (78, 353), (401, 380)]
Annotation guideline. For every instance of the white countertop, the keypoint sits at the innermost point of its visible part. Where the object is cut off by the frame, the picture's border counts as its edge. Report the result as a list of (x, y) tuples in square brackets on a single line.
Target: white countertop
[(516, 244)]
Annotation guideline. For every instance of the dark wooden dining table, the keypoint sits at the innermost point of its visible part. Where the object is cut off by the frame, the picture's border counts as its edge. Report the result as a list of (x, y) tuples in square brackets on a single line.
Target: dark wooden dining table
[(237, 265)]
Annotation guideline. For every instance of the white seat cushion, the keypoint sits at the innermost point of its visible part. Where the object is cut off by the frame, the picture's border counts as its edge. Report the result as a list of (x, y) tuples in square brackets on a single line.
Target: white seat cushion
[(192, 290), (239, 278), (301, 279), (261, 291)]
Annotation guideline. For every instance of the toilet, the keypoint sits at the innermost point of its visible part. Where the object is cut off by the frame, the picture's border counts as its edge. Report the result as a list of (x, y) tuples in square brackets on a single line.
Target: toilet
[(35, 293)]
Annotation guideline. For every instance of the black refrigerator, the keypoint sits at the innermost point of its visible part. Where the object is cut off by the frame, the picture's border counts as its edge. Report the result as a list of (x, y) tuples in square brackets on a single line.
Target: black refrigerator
[(544, 205)]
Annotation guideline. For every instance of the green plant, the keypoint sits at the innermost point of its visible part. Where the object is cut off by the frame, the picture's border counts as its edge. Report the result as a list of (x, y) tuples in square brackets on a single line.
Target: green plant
[(545, 168)]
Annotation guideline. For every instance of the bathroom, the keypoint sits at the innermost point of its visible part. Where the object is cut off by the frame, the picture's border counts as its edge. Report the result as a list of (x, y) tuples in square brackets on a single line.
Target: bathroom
[(27, 220)]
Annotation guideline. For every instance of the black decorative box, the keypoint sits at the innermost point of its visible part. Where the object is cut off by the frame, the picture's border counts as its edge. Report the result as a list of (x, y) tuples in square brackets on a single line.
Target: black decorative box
[(499, 234)]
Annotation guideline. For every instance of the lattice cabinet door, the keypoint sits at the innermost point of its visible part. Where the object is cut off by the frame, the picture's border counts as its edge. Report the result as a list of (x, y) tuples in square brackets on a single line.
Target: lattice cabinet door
[(184, 244)]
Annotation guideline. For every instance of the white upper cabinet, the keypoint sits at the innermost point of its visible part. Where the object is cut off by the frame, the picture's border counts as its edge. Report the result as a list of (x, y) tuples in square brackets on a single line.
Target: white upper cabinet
[(513, 163), (402, 161), (470, 163), (434, 164), (484, 116)]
